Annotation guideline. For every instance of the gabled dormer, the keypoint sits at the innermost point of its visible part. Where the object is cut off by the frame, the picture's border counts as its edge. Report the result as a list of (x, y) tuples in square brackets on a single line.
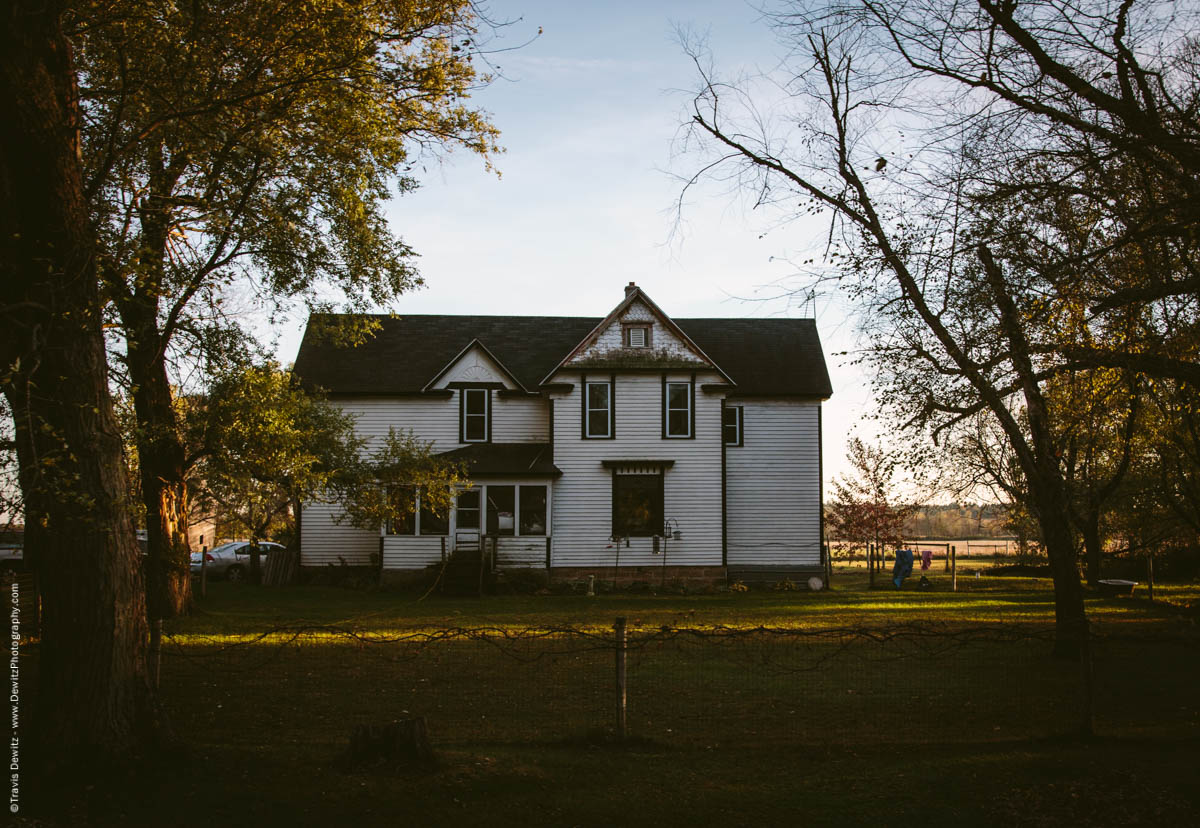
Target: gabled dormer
[(475, 375), (637, 335)]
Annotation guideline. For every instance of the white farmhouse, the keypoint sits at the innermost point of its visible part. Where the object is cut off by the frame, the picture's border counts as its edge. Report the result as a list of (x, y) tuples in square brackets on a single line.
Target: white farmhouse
[(634, 447)]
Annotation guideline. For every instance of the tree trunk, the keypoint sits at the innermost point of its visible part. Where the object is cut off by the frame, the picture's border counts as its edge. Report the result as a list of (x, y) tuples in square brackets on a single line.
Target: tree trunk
[(94, 706), (161, 465), (1049, 505), (1092, 545)]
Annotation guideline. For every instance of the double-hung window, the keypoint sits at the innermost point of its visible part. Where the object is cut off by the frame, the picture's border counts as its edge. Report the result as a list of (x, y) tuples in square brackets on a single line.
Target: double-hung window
[(677, 409), (598, 409), (474, 413), (732, 426)]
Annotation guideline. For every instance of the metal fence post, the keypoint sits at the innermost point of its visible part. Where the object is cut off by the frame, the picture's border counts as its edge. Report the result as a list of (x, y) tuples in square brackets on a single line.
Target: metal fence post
[(620, 646)]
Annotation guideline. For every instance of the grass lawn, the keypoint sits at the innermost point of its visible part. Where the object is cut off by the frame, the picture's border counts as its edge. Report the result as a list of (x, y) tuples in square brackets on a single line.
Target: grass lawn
[(918, 716)]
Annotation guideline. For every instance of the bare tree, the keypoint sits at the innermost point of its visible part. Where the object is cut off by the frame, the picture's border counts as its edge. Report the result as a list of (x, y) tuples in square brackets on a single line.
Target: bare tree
[(918, 127)]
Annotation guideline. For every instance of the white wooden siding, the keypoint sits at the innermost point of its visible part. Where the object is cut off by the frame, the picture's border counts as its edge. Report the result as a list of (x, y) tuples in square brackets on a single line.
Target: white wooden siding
[(514, 419), (411, 551), (431, 418), (772, 486), (582, 515), (324, 542), (519, 420), (521, 552)]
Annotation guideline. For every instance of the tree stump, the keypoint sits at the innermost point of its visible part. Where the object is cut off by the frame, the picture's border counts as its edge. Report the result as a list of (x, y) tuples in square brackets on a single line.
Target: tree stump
[(404, 741)]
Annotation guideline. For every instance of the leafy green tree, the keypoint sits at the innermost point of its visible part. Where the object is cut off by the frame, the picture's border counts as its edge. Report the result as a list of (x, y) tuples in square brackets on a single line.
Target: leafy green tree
[(383, 489), (865, 507), (264, 446), (250, 147)]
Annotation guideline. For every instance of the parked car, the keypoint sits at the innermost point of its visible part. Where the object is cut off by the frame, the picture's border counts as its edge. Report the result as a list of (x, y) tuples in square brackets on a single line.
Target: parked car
[(231, 561)]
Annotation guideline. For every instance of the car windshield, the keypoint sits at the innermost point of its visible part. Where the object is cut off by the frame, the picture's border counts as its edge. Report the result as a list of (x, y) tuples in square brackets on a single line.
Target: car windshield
[(225, 547)]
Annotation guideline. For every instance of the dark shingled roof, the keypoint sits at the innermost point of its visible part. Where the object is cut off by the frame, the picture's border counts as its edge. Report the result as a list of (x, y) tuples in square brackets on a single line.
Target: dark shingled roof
[(765, 357), (506, 459)]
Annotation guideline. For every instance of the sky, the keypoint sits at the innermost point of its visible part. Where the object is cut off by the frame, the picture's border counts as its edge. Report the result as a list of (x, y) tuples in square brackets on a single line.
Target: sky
[(589, 114)]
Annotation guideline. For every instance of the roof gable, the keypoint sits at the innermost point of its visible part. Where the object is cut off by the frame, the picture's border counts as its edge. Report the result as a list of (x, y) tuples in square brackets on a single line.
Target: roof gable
[(474, 364), (605, 346)]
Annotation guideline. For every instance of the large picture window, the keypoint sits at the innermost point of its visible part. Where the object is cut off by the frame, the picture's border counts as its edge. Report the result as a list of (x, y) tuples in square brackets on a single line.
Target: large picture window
[(678, 409), (598, 409), (474, 412), (533, 510), (637, 505)]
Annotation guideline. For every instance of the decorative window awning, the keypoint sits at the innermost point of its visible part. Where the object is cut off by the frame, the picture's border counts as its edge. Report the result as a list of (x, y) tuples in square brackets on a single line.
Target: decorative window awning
[(637, 466)]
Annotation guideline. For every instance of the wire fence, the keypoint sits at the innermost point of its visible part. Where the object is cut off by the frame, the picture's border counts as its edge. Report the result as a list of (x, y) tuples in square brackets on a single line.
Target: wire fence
[(702, 687)]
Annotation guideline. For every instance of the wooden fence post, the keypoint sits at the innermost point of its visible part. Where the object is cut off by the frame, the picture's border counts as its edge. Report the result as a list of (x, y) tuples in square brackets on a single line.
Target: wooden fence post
[(828, 567), (871, 565), (1150, 574), (621, 687), (953, 571), (203, 571)]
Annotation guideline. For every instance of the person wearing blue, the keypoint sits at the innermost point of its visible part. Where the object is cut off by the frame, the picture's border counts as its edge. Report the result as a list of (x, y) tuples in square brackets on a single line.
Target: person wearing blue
[(903, 566)]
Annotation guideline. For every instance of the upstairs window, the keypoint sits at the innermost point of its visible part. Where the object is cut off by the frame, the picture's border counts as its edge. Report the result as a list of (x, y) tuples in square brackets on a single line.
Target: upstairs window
[(732, 426), (677, 409), (598, 409), (637, 337), (475, 415)]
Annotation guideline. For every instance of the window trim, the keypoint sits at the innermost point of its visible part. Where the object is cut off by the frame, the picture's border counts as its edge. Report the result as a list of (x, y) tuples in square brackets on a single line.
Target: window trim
[(487, 414), (666, 409), (481, 528), (585, 425), (645, 325), (494, 514), (545, 511), (740, 416)]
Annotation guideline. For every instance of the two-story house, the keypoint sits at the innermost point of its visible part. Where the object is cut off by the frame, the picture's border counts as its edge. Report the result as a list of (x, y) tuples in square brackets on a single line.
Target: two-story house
[(634, 447)]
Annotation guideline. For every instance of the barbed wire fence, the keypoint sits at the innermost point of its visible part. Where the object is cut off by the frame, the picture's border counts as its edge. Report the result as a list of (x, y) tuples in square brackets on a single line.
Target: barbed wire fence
[(699, 686)]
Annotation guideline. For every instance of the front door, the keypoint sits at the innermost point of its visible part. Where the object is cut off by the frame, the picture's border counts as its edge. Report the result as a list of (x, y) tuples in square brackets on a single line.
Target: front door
[(467, 520)]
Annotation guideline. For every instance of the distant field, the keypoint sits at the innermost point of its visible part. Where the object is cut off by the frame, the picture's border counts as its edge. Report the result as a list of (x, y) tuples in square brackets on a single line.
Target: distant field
[(851, 706)]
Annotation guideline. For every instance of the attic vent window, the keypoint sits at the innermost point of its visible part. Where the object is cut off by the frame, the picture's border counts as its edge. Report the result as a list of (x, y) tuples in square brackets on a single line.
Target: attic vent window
[(637, 337)]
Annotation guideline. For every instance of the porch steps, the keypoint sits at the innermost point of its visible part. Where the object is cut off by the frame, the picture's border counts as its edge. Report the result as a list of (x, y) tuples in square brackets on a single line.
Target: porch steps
[(466, 574)]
